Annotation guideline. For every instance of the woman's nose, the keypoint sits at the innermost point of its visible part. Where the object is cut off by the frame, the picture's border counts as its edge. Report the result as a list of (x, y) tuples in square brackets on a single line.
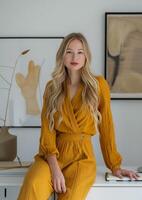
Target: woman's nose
[(74, 55)]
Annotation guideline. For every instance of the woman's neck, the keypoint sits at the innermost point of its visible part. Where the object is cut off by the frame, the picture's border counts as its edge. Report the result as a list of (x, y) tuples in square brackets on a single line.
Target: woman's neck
[(74, 78)]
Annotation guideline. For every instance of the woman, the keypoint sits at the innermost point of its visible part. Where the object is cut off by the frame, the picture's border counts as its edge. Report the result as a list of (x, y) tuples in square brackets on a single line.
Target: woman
[(76, 105)]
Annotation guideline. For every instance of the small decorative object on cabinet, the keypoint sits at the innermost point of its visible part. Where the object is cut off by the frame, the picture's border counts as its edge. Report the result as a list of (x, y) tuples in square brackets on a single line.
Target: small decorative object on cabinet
[(25, 66), (139, 169), (7, 140)]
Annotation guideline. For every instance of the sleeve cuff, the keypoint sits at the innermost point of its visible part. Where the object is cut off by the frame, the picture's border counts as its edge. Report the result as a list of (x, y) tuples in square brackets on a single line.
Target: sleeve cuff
[(47, 152), (115, 167), (52, 153)]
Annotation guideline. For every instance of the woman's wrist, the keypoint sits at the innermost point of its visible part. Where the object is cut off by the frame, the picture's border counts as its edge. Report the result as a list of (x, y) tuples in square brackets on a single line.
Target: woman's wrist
[(53, 163), (114, 169)]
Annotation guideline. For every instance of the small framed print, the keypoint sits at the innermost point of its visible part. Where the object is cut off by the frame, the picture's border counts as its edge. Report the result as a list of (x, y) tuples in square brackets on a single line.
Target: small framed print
[(123, 54), (26, 64)]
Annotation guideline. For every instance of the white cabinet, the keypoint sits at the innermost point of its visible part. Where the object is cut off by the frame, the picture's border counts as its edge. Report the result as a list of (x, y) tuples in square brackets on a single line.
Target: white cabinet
[(104, 190), (117, 193), (11, 181), (11, 192)]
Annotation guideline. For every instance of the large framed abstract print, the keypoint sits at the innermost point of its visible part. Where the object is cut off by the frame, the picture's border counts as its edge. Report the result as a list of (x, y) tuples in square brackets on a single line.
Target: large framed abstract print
[(26, 64), (123, 54)]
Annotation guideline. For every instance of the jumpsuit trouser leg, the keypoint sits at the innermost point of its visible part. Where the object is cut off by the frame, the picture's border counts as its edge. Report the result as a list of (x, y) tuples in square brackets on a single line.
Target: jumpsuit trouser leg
[(37, 183), (78, 165)]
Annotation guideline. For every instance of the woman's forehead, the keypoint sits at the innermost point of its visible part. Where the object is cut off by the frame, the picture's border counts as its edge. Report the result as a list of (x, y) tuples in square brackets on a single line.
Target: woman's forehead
[(75, 43)]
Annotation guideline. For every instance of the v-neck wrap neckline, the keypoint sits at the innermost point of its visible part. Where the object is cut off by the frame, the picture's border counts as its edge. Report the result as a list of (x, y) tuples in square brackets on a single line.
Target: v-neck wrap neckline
[(72, 106), (77, 94)]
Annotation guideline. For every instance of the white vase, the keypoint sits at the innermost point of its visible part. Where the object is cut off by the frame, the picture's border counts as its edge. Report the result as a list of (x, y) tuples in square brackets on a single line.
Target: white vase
[(8, 145)]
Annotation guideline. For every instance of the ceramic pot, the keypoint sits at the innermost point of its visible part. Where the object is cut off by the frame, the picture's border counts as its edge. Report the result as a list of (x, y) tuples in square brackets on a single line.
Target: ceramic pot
[(8, 145)]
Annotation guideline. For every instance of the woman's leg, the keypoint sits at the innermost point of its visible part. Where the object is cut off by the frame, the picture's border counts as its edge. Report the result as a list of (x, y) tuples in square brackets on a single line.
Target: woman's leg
[(78, 165), (37, 184), (79, 177)]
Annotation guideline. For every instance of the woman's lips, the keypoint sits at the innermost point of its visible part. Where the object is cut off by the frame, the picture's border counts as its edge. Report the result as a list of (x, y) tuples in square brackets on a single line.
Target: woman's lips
[(74, 63)]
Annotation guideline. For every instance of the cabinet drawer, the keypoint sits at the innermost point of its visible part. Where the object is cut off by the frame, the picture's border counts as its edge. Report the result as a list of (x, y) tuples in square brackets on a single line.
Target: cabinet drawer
[(2, 193), (13, 191), (117, 193)]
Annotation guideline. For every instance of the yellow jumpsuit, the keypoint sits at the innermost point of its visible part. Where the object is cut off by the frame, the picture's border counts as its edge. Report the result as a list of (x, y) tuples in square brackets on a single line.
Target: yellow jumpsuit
[(71, 142)]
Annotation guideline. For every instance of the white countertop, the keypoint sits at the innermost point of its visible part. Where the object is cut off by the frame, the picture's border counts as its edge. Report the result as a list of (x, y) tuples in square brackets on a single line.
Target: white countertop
[(101, 182), (14, 177)]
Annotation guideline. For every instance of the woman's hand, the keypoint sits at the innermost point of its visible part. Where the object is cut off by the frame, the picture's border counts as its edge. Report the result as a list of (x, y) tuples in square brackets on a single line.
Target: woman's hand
[(124, 172), (58, 181)]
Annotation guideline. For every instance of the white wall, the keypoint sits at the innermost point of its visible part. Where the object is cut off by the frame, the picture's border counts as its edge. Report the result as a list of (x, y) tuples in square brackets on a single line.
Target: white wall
[(58, 18)]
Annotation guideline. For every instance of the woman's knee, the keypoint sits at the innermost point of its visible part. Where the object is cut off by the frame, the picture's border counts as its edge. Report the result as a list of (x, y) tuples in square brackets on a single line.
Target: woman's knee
[(38, 176), (35, 187)]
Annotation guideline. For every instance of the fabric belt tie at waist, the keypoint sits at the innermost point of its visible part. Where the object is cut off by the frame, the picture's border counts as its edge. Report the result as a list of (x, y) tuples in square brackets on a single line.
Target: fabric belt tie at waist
[(73, 136)]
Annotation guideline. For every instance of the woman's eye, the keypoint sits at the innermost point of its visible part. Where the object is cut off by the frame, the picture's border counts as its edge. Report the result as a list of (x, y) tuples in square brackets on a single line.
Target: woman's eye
[(68, 51), (80, 52)]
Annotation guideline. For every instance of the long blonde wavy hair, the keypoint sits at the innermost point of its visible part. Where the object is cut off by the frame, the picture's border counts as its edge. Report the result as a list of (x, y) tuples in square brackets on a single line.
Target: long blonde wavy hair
[(55, 92)]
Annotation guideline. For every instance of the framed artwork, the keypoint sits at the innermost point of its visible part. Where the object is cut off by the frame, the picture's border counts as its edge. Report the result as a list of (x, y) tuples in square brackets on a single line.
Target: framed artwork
[(123, 54), (26, 64)]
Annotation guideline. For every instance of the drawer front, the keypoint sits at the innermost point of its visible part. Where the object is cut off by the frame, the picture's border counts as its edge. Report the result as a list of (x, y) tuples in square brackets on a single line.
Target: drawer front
[(2, 193), (117, 193), (12, 193)]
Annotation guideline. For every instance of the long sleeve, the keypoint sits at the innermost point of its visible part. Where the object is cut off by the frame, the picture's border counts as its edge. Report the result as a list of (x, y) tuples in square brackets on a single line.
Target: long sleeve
[(111, 156), (47, 138)]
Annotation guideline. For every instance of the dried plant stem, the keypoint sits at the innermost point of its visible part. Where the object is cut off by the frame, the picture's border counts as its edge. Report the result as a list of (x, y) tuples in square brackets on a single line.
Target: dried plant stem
[(10, 89)]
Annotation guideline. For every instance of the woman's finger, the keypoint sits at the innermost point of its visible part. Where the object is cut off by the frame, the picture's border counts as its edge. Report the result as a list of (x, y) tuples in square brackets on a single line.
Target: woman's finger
[(63, 186), (135, 176), (132, 175), (59, 186), (55, 186)]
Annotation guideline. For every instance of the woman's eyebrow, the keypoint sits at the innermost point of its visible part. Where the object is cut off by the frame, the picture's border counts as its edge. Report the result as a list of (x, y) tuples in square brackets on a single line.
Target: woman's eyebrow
[(72, 49)]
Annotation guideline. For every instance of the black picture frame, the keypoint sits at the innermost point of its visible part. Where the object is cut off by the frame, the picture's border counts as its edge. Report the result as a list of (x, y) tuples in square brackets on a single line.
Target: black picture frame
[(21, 57), (123, 47)]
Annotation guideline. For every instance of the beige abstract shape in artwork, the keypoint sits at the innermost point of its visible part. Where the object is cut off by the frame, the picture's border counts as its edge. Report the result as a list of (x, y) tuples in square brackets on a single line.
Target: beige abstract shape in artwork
[(117, 33), (28, 86), (128, 82), (129, 78)]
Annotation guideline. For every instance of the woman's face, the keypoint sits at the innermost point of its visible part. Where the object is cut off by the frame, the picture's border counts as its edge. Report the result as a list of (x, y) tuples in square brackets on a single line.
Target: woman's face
[(74, 58)]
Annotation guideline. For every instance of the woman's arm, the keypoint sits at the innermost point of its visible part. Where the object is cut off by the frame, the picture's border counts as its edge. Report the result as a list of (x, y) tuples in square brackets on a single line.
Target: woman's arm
[(111, 156), (53, 163), (107, 135), (57, 175), (50, 153)]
